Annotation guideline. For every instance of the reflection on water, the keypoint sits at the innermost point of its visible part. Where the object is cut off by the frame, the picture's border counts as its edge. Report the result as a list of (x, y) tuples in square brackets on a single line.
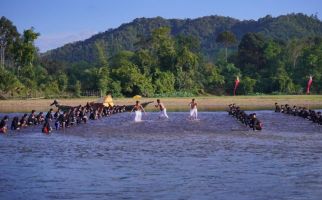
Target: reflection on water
[(214, 158)]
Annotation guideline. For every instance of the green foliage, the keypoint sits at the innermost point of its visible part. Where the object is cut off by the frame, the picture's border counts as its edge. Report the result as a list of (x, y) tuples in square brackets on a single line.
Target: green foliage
[(115, 88), (77, 89), (164, 82), (283, 81), (247, 84), (229, 71), (226, 38), (26, 50), (9, 82), (51, 89), (27, 77), (158, 58), (62, 81), (212, 80)]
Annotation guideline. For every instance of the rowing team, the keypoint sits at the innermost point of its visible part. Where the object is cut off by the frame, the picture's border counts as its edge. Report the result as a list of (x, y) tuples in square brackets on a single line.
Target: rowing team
[(249, 120), (312, 115), (138, 109)]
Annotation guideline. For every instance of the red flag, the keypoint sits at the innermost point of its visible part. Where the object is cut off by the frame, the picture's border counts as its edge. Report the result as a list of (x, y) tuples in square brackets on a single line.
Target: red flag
[(309, 83), (236, 85)]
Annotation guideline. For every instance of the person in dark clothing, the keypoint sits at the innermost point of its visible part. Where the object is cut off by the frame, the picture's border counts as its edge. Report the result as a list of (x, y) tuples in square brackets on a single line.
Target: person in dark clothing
[(255, 123), (3, 124), (31, 118), (49, 115), (295, 111), (319, 118), (15, 124), (23, 121), (57, 113), (277, 108), (60, 122), (40, 118)]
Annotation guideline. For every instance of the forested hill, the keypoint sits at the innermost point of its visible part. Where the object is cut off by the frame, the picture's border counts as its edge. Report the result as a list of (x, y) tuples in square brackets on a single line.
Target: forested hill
[(127, 36)]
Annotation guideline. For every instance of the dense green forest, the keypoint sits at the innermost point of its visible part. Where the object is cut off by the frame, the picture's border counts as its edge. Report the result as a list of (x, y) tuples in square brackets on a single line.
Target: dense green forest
[(159, 57)]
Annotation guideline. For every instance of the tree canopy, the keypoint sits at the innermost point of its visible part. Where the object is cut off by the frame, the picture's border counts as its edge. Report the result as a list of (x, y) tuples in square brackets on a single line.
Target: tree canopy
[(166, 61)]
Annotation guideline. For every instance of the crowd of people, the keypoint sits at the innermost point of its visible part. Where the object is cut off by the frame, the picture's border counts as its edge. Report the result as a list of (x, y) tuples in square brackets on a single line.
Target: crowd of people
[(249, 120), (312, 115), (71, 116), (68, 116)]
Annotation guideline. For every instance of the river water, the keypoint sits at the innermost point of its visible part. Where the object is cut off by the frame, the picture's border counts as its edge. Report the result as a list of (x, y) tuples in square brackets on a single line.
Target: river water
[(214, 158)]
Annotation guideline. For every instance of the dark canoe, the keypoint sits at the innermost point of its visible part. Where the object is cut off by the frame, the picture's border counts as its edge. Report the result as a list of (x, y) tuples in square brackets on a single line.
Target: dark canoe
[(130, 107)]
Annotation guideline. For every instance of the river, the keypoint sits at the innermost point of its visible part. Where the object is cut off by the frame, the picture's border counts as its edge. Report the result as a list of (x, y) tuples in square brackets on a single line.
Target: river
[(213, 158)]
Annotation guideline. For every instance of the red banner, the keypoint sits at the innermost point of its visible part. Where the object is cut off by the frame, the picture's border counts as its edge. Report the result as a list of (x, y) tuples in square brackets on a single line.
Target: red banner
[(236, 85), (309, 83)]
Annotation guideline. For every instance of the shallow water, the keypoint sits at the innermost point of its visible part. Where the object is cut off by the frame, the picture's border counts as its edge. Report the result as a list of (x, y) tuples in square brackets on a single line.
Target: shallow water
[(214, 158)]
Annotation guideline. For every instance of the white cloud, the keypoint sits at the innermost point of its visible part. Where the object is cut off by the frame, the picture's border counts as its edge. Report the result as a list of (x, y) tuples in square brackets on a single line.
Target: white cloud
[(52, 41)]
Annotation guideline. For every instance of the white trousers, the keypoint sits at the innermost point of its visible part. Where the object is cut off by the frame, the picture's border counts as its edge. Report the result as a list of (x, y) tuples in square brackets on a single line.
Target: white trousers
[(138, 116), (194, 113), (163, 113)]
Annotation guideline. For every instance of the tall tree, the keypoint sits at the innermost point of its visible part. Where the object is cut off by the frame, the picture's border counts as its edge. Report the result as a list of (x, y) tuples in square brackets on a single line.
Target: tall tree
[(226, 38), (8, 36), (26, 50), (103, 73)]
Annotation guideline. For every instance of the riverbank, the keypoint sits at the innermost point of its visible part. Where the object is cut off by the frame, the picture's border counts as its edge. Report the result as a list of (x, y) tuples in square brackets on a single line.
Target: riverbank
[(209, 103)]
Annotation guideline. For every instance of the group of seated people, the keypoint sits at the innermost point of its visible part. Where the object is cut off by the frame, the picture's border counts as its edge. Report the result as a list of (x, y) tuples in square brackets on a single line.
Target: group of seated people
[(62, 119), (248, 119), (314, 116), (25, 121)]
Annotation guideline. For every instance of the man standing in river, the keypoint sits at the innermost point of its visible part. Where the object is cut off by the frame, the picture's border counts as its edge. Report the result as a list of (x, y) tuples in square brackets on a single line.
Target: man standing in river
[(138, 108), (193, 110), (163, 110)]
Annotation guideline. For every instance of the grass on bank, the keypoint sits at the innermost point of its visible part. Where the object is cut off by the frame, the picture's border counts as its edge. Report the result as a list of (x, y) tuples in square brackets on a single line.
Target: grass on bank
[(205, 103)]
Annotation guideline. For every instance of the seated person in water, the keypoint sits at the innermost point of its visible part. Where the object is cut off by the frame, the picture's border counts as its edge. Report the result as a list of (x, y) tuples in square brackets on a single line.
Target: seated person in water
[(193, 110), (277, 108), (15, 124), (163, 110), (57, 113), (40, 118), (319, 118), (138, 111), (32, 118), (288, 109), (93, 115), (258, 125), (295, 111), (82, 115), (3, 124), (23, 121), (255, 123), (60, 122), (46, 128), (49, 115)]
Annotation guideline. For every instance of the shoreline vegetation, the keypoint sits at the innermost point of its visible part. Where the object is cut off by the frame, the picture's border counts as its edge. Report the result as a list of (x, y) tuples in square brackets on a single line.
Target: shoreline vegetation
[(205, 103)]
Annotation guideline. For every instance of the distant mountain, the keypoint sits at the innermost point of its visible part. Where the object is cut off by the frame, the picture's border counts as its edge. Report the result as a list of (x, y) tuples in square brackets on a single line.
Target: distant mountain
[(206, 29)]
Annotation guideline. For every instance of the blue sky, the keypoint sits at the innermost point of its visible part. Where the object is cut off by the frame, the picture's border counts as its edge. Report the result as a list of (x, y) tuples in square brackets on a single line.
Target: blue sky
[(63, 21)]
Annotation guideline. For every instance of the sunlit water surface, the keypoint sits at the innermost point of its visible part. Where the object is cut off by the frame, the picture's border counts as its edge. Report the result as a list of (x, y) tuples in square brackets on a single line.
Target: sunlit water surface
[(214, 158)]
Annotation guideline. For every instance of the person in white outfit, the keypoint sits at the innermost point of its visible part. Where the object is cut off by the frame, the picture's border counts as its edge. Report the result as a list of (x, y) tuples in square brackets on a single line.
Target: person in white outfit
[(193, 110), (138, 111), (163, 110)]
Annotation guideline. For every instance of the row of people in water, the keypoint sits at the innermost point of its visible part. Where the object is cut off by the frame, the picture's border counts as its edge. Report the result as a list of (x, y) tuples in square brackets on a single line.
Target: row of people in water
[(78, 114), (249, 120), (314, 116), (65, 119)]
